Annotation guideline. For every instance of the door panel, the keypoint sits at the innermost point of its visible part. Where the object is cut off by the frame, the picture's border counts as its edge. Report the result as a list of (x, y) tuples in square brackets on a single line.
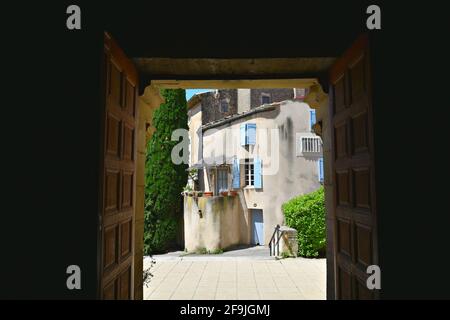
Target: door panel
[(118, 187), (353, 172), (258, 227)]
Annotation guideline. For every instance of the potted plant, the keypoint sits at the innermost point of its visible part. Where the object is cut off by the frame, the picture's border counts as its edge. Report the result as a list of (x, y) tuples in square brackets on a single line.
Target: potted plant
[(207, 194), (199, 193), (223, 192), (232, 193), (187, 190)]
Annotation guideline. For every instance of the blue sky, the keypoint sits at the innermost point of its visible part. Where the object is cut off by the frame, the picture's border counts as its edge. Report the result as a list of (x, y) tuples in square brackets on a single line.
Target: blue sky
[(191, 92)]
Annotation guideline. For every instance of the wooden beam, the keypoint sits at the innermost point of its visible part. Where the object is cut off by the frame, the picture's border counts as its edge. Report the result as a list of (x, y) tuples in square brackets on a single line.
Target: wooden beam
[(234, 84)]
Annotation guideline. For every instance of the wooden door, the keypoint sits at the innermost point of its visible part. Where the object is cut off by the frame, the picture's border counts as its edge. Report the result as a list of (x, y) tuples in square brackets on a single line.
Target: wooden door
[(258, 227), (353, 172), (117, 196)]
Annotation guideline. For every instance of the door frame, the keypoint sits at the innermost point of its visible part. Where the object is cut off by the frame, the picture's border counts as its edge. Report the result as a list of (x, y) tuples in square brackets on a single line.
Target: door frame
[(317, 85)]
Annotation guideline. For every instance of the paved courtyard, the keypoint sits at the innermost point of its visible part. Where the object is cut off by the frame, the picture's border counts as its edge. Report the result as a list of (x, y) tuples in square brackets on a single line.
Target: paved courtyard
[(235, 276)]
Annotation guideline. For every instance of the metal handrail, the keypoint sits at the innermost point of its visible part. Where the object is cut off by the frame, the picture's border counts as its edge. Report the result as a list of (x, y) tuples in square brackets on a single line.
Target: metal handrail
[(274, 248)]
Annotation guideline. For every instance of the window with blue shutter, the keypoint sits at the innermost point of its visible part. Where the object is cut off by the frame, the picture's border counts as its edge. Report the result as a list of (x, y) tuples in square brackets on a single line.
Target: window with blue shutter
[(321, 170), (236, 174), (251, 133), (248, 134), (258, 173), (312, 118)]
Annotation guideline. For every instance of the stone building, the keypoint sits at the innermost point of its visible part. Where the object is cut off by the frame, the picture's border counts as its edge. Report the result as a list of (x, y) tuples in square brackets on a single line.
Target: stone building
[(253, 156)]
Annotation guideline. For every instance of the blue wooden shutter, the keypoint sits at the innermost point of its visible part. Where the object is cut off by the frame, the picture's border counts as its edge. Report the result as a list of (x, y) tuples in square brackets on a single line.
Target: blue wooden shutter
[(251, 133), (257, 172), (321, 169), (236, 174), (312, 117), (243, 135)]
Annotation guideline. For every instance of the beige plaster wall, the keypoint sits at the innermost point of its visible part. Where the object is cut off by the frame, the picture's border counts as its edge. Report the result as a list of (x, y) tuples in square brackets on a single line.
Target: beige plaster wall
[(222, 223), (194, 122), (244, 100), (143, 134), (322, 115)]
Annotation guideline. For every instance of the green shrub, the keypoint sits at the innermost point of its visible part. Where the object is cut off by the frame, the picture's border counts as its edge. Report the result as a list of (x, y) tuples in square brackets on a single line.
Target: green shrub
[(306, 214)]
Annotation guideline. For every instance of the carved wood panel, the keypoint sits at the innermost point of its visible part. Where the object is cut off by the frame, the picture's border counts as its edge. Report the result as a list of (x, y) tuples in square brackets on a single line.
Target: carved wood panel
[(354, 192), (118, 186)]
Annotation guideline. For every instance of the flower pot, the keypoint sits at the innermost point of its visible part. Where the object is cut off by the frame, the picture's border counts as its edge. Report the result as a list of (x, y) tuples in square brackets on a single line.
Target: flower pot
[(207, 194), (233, 193), (199, 194), (224, 193)]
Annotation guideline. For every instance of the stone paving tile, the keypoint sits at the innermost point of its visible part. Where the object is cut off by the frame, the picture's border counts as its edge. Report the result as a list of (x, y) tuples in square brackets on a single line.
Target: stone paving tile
[(284, 279)]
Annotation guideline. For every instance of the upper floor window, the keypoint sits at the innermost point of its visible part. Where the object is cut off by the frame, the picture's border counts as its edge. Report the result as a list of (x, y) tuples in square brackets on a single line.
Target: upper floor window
[(265, 98), (223, 106), (308, 144), (248, 134)]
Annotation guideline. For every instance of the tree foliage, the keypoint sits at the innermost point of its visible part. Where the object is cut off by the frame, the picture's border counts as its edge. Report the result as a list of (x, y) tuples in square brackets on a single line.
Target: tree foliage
[(164, 181), (306, 214)]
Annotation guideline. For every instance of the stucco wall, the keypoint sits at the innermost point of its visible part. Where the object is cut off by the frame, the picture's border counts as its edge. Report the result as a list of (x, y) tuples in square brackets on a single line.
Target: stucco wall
[(144, 132), (244, 100), (195, 122), (322, 115), (222, 224), (295, 175)]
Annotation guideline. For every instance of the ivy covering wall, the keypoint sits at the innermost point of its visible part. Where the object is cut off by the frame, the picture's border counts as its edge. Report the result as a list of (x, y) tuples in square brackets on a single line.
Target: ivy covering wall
[(164, 181)]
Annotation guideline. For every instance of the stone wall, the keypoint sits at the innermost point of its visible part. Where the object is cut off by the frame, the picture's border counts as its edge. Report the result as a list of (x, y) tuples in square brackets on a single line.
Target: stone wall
[(239, 100), (211, 104), (276, 95)]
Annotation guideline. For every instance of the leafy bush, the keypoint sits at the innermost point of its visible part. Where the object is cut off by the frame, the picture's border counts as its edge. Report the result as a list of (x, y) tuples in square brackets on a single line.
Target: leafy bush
[(306, 214), (164, 181)]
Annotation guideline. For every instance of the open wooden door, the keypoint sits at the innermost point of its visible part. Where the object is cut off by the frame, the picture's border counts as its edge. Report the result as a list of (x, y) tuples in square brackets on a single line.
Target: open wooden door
[(117, 196), (355, 224)]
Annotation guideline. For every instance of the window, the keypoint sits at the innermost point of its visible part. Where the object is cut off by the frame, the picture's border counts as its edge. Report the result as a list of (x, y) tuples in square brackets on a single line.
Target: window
[(248, 134), (310, 144), (249, 173), (265, 98), (253, 173), (222, 180), (223, 106)]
